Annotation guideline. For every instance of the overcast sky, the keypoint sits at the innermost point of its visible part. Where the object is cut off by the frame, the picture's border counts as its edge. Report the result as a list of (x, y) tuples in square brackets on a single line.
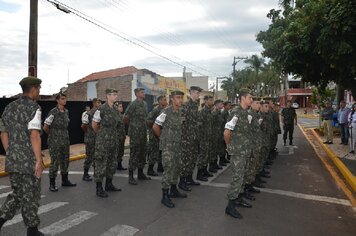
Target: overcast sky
[(203, 35)]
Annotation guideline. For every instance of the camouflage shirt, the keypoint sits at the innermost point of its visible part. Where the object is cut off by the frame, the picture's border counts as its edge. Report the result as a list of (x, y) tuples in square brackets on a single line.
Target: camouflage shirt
[(89, 136), (151, 117), (276, 122), (19, 118), (137, 113), (58, 125), (256, 134), (206, 125), (2, 127), (191, 114), (121, 127), (288, 115)]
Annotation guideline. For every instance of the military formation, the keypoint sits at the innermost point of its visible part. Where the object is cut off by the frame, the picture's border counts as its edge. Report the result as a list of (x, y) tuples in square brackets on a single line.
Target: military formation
[(182, 137)]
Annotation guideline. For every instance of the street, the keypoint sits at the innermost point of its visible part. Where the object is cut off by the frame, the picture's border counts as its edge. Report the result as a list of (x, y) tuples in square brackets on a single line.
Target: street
[(301, 198)]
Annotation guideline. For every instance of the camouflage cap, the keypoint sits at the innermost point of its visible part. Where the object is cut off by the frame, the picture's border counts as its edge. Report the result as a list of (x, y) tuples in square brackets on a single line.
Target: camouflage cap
[(176, 92), (267, 98), (255, 98), (206, 97), (218, 101), (244, 91), (139, 89), (110, 90), (227, 102), (30, 81), (196, 88)]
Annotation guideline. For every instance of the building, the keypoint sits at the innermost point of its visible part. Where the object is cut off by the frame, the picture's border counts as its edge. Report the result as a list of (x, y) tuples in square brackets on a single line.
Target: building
[(296, 91)]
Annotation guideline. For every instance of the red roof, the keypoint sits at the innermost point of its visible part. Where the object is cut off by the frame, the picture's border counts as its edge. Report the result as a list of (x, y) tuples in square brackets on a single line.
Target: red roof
[(128, 70)]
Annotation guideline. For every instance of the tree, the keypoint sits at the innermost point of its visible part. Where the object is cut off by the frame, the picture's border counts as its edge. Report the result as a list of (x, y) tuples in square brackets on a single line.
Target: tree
[(256, 63), (315, 41), (231, 88)]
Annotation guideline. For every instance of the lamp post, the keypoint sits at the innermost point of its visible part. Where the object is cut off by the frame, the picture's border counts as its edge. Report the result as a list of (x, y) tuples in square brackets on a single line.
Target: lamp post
[(32, 42)]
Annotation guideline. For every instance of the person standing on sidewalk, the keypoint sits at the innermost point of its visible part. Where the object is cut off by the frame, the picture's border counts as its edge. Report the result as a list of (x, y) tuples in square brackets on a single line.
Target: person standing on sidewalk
[(342, 115), (289, 119), (56, 126), (21, 139), (327, 117)]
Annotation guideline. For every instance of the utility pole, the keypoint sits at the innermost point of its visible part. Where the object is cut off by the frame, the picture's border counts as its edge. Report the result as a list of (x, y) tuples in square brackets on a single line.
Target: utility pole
[(234, 64), (32, 43)]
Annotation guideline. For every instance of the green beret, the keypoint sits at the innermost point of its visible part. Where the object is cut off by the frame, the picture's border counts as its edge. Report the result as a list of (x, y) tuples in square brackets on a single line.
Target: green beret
[(139, 89), (196, 88), (176, 92), (30, 81), (244, 91), (264, 102), (206, 97), (110, 90)]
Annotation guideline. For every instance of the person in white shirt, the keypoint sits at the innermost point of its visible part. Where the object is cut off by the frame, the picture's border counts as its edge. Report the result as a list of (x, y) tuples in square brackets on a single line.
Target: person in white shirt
[(352, 128)]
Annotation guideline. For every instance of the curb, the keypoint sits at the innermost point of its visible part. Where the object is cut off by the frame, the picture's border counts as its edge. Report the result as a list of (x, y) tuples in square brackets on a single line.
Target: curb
[(72, 158), (350, 178)]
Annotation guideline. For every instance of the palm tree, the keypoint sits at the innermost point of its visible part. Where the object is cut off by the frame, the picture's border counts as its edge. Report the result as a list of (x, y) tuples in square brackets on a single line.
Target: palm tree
[(230, 86), (256, 63)]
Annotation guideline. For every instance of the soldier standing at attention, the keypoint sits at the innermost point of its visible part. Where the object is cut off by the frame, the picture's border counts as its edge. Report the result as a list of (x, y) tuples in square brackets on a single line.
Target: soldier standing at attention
[(217, 136), (289, 119), (21, 139), (89, 138), (105, 122), (168, 126), (154, 154), (225, 113), (237, 136), (56, 126), (122, 135), (135, 117), (190, 139)]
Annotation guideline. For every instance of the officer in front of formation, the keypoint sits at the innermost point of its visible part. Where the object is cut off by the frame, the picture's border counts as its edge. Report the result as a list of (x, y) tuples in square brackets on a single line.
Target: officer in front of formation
[(20, 135), (168, 127), (56, 126)]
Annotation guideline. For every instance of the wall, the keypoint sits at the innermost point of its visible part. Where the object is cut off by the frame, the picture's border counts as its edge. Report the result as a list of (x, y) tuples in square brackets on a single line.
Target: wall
[(122, 84), (77, 92)]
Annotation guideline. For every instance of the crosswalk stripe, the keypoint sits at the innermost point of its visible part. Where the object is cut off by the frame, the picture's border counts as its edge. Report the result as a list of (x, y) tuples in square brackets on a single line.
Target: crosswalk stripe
[(3, 186), (42, 209), (120, 230), (5, 194), (67, 223)]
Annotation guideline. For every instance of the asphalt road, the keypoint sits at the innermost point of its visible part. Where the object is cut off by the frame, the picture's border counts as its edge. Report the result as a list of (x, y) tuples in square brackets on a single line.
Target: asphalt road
[(301, 198)]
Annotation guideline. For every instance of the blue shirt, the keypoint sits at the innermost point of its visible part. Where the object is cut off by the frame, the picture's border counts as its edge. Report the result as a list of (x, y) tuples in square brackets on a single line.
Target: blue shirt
[(342, 115)]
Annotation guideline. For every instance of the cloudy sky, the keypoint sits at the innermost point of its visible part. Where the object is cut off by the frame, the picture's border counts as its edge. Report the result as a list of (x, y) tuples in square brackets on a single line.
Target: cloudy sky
[(203, 35)]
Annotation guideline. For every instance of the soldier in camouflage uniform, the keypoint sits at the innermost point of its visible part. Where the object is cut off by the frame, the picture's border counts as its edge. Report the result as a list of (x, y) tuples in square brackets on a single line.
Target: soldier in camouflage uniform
[(225, 113), (105, 122), (237, 136), (89, 138), (289, 118), (122, 135), (56, 126), (153, 152), (20, 136), (276, 125), (135, 117), (168, 126), (205, 139), (190, 139)]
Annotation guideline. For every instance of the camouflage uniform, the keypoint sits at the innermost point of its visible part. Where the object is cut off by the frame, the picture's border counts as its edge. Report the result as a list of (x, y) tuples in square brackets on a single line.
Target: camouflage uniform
[(205, 139), (218, 125), (154, 155), (288, 122), (106, 143), (20, 161), (190, 139), (276, 128), (240, 149), (89, 138), (265, 128), (58, 141), (122, 138), (137, 113), (171, 145)]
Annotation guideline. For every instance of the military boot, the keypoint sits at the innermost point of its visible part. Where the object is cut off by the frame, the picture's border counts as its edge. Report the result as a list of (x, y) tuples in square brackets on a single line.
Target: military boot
[(206, 172), (109, 187), (201, 176), (66, 182), (52, 185), (190, 181), (264, 175), (258, 184), (2, 222), (258, 177), (33, 231), (242, 203), (284, 142), (131, 178), (160, 167), (251, 189), (247, 195), (150, 171), (222, 161), (216, 165), (120, 167), (291, 142), (212, 168), (141, 175), (174, 193), (165, 199), (183, 185), (231, 210), (100, 191), (86, 176)]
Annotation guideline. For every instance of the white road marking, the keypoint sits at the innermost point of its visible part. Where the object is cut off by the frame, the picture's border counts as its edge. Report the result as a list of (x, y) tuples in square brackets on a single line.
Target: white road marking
[(121, 230), (2, 195), (4, 186), (68, 222), (41, 210)]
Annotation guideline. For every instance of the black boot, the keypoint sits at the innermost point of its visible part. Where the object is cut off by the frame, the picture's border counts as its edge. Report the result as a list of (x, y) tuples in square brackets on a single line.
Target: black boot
[(242, 203), (160, 167), (264, 175), (258, 184), (150, 171), (33, 231), (265, 172), (228, 157), (251, 189), (141, 175), (86, 176), (183, 185), (66, 182), (131, 178), (109, 187), (174, 193), (52, 185), (291, 142), (231, 210), (100, 191), (165, 199), (258, 177), (190, 181), (2, 222), (247, 195), (222, 161), (120, 167), (206, 172), (212, 168), (225, 160), (216, 166), (284, 142), (201, 176)]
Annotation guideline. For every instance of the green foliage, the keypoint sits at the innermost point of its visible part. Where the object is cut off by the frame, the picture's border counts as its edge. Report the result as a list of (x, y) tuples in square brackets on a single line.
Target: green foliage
[(319, 96)]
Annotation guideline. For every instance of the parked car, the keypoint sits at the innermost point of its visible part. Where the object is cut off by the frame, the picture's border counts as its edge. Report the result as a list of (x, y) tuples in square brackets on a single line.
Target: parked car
[(295, 105)]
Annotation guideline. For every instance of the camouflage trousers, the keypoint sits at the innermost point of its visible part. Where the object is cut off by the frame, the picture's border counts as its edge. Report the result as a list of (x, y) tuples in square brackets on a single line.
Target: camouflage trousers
[(59, 157), (250, 167), (170, 161), (189, 157), (105, 159), (121, 150), (274, 140), (264, 156), (238, 163), (89, 152), (137, 153), (26, 196), (205, 153), (153, 153)]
